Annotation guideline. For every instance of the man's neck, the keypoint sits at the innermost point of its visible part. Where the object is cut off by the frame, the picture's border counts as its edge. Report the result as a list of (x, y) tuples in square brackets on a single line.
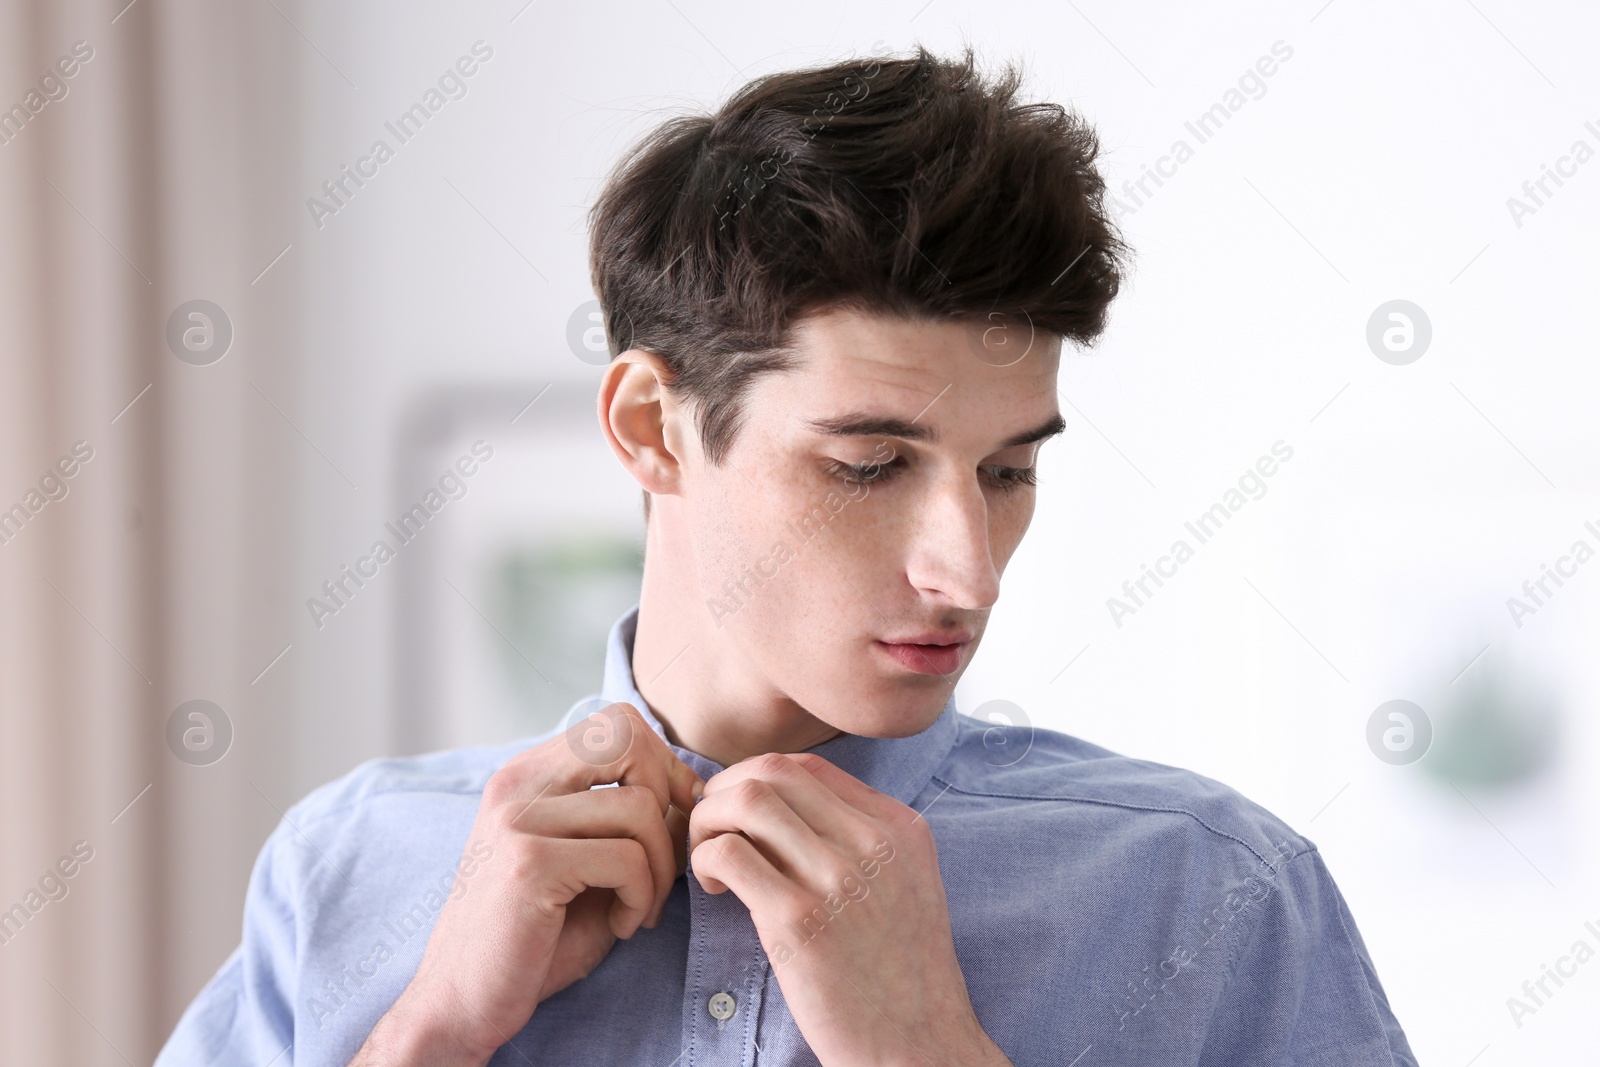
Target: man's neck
[(710, 700)]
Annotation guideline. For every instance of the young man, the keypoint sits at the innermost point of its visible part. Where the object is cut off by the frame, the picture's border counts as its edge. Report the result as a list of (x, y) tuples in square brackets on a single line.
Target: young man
[(836, 308)]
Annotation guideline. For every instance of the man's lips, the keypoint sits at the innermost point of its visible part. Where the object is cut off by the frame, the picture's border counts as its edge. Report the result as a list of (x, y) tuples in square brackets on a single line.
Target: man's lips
[(926, 653)]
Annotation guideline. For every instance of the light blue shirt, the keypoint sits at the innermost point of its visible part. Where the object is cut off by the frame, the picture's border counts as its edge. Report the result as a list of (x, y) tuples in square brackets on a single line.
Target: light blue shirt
[(1106, 910)]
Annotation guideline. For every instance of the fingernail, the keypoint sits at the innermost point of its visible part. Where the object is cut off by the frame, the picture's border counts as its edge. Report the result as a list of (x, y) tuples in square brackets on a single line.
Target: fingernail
[(697, 790)]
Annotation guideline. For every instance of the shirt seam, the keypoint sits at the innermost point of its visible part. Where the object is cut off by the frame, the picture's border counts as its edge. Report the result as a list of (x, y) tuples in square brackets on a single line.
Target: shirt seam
[(753, 999), (347, 806), (1127, 807), (381, 788), (696, 907), (1242, 937)]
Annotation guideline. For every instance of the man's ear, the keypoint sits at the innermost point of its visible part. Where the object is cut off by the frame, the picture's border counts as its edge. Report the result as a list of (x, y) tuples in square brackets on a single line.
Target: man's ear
[(641, 421)]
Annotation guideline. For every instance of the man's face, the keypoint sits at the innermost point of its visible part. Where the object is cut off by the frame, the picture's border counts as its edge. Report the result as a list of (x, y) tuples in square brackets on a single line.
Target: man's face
[(849, 546)]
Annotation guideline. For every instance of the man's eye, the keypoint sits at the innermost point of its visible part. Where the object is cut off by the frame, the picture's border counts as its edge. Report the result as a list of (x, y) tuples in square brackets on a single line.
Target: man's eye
[(1009, 477), (862, 473)]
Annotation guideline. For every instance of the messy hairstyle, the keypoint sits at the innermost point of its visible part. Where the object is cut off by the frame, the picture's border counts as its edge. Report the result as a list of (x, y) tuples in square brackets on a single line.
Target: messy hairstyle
[(909, 186)]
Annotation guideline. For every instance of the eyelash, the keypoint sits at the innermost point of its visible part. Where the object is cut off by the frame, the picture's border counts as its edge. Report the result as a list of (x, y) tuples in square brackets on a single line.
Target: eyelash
[(860, 474), (1003, 478), (1012, 477)]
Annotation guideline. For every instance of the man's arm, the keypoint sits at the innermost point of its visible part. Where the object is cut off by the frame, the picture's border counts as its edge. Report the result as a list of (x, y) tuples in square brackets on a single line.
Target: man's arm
[(571, 870), (1303, 991), (843, 886)]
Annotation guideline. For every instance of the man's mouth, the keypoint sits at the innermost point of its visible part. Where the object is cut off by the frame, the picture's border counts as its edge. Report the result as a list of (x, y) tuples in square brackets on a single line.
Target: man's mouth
[(926, 654)]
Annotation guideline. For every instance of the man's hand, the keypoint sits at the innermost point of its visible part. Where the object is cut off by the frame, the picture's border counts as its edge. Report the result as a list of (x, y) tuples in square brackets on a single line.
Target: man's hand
[(843, 885), (570, 870)]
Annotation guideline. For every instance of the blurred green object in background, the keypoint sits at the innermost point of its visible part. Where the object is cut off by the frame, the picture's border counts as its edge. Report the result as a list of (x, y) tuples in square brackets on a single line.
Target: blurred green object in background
[(560, 596), (1500, 727)]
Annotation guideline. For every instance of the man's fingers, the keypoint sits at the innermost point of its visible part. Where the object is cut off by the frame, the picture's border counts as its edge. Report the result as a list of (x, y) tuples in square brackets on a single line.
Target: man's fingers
[(729, 861), (615, 744), (623, 811), (678, 831), (683, 784), (831, 816), (677, 786), (618, 864), (611, 745), (846, 786), (651, 763), (756, 809)]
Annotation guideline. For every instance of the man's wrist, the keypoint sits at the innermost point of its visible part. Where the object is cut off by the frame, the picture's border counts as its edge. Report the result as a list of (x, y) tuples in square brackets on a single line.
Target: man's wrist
[(987, 1055), (992, 1056), (412, 1033), (976, 1050)]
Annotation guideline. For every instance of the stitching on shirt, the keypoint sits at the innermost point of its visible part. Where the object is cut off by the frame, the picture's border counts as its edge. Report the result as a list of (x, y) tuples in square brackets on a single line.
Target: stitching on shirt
[(1247, 934), (699, 971), (348, 806), (1122, 804), (382, 789), (1244, 940), (1242, 936), (761, 983), (752, 996)]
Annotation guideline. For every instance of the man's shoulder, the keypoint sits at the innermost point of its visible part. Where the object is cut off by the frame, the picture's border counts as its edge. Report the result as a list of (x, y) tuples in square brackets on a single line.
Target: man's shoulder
[(404, 783), (1059, 778), (380, 826)]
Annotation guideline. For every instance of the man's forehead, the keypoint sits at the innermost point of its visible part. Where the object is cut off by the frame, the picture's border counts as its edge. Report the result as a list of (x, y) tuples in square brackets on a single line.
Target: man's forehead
[(854, 361)]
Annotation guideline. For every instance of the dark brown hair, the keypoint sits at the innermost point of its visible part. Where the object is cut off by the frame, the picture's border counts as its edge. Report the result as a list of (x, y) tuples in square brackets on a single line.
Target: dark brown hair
[(906, 186)]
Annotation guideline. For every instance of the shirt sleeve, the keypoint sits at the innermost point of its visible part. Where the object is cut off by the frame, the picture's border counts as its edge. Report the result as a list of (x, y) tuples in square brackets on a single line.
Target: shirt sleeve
[(1301, 990), (245, 1013)]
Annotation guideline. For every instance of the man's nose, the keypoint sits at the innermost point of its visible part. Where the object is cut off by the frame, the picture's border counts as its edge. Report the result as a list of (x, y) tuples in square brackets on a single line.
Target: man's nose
[(950, 554)]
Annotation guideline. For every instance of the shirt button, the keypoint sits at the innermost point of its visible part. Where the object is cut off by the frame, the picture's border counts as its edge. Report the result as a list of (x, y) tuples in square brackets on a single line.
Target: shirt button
[(722, 1006)]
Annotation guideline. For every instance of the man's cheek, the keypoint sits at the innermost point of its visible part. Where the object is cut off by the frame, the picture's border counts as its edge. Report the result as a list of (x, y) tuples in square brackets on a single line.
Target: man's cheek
[(1006, 530)]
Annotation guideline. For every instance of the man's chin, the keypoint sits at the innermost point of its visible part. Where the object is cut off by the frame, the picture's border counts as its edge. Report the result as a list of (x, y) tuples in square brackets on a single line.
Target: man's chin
[(888, 715)]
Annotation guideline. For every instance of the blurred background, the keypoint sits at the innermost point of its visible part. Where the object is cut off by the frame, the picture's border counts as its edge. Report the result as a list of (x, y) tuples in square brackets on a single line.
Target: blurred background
[(226, 365)]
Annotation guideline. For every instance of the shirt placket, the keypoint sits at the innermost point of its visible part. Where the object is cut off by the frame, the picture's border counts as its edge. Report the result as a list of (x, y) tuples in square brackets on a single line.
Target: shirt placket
[(723, 988)]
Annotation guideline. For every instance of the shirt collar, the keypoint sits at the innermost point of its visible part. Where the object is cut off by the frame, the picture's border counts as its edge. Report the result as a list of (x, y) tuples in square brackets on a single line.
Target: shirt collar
[(897, 766)]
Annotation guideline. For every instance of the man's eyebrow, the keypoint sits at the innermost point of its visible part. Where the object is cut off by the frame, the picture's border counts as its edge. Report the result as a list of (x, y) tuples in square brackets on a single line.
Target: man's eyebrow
[(1043, 431), (865, 424)]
